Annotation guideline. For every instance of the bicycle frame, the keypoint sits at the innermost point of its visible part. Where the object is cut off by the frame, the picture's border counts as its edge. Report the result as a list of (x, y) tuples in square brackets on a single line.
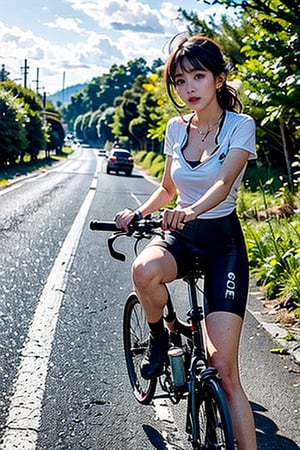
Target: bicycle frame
[(198, 370)]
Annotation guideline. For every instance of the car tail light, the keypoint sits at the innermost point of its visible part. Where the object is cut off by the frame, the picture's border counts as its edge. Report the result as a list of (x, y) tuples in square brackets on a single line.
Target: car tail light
[(130, 158), (113, 159)]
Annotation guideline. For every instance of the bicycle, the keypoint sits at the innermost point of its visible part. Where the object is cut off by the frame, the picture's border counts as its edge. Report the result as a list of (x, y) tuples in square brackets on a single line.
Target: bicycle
[(186, 375)]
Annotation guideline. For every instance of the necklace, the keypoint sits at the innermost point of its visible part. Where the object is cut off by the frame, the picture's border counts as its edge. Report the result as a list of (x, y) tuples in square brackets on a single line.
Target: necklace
[(204, 134)]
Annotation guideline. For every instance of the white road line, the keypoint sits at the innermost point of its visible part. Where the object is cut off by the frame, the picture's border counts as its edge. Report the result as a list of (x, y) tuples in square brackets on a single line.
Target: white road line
[(22, 425), (164, 416), (135, 198)]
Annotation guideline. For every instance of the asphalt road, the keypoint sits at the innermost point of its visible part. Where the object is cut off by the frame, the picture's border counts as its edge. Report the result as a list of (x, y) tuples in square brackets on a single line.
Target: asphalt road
[(63, 378)]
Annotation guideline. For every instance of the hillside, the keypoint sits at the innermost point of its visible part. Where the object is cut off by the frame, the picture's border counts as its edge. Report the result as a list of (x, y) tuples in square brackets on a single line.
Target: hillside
[(64, 96)]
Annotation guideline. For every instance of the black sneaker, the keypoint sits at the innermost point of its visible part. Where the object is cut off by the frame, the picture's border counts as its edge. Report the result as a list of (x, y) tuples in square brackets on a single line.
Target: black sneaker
[(153, 363)]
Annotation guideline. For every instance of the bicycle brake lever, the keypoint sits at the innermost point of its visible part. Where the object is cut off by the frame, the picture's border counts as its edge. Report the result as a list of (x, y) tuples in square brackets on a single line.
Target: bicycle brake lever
[(117, 255)]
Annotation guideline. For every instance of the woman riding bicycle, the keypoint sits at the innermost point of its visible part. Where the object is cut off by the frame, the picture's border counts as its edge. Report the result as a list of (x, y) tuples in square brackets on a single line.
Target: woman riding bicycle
[(206, 156)]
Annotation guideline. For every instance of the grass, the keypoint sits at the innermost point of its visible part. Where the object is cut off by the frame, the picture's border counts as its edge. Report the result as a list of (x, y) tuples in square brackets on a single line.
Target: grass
[(9, 173)]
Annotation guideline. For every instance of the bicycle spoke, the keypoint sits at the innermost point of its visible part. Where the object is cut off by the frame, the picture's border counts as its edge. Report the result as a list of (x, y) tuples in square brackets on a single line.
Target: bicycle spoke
[(136, 334)]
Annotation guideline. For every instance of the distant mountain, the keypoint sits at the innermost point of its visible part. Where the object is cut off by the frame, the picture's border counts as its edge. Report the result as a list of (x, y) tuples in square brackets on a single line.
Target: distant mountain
[(64, 96)]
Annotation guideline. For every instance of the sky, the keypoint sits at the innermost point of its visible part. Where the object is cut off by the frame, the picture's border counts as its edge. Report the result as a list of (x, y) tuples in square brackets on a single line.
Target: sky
[(66, 42)]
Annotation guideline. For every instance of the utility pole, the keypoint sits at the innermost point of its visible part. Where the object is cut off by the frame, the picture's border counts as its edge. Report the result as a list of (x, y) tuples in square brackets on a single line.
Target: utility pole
[(3, 73), (44, 100), (63, 87), (25, 72), (37, 80)]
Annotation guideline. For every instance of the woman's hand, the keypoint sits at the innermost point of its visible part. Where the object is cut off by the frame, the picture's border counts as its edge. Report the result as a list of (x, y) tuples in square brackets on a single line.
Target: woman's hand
[(177, 218), (123, 218)]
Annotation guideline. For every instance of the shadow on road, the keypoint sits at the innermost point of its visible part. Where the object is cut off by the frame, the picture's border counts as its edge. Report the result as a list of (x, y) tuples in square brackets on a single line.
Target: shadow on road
[(267, 437), (157, 440), (155, 437), (266, 432)]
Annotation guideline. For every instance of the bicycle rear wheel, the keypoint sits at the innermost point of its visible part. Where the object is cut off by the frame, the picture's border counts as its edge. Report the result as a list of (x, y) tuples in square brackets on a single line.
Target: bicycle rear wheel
[(214, 418), (135, 337)]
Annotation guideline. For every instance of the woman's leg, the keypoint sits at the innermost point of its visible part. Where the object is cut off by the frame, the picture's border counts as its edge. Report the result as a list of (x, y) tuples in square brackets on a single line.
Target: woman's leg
[(223, 331), (154, 267)]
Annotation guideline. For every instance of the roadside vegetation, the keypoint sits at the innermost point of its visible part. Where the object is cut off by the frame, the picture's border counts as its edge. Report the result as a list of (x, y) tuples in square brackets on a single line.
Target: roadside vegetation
[(28, 126), (129, 105), (41, 162)]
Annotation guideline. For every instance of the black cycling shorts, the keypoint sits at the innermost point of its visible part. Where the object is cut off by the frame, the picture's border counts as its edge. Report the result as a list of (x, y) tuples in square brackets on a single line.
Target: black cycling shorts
[(223, 260)]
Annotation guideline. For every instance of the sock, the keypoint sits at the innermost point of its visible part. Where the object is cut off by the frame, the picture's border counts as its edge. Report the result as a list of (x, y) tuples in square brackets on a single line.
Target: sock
[(169, 311), (157, 328)]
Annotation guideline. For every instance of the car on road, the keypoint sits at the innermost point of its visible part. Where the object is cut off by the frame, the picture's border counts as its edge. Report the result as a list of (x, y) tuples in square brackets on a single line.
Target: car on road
[(120, 160)]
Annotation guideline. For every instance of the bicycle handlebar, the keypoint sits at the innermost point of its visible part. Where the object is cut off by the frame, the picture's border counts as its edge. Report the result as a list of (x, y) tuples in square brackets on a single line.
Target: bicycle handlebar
[(139, 229), (103, 226)]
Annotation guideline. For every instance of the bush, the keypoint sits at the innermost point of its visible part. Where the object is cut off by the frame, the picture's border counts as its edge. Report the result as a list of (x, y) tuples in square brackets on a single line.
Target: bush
[(12, 129), (152, 162), (157, 167), (147, 162), (273, 250), (140, 156)]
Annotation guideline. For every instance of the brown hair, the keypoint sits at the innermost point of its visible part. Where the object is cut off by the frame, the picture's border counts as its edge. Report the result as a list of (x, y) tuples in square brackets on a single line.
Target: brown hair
[(202, 53)]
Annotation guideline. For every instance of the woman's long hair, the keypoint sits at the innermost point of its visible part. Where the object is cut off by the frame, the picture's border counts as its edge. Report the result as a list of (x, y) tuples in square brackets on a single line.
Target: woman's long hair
[(202, 53)]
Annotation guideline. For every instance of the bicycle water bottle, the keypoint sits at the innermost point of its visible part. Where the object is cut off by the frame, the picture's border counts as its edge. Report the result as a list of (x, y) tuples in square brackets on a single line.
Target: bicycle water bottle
[(177, 366)]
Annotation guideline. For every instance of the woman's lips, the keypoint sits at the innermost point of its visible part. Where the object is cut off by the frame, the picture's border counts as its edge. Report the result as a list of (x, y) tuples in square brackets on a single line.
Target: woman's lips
[(194, 99)]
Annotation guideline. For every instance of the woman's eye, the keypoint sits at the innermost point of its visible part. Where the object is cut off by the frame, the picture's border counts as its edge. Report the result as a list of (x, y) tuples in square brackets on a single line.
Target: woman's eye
[(199, 75), (179, 82)]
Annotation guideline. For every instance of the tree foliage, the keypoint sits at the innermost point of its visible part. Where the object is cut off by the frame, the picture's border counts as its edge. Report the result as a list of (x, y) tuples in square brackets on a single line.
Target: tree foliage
[(36, 132), (269, 67), (118, 89), (12, 128)]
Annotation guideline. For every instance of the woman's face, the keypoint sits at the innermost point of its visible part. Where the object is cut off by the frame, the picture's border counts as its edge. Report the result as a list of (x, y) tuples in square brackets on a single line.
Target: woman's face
[(196, 88)]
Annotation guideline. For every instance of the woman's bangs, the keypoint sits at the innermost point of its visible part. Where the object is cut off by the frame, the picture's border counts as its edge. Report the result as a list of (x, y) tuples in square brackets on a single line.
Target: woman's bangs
[(188, 61)]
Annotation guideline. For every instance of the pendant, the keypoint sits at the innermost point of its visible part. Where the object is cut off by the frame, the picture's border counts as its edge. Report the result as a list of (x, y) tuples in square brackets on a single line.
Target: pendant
[(204, 135)]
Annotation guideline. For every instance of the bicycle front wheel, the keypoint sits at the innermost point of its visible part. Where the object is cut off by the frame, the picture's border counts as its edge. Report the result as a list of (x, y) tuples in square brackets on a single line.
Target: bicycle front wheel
[(136, 338), (214, 418)]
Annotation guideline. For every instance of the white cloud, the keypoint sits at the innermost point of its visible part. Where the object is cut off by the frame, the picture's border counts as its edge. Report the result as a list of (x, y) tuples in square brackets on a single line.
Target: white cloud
[(121, 15), (85, 37), (68, 24)]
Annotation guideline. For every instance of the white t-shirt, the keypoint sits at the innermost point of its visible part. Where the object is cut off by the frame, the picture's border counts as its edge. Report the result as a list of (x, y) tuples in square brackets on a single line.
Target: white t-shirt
[(237, 131)]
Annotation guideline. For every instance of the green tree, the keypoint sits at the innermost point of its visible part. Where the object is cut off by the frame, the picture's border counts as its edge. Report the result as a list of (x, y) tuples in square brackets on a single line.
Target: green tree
[(154, 110), (104, 131), (78, 127), (35, 134), (126, 109), (34, 126), (75, 108), (12, 128), (270, 74), (104, 90)]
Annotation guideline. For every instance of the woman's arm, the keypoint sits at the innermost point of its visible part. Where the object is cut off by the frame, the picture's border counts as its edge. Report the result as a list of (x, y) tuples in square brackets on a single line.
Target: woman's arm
[(163, 195), (160, 197)]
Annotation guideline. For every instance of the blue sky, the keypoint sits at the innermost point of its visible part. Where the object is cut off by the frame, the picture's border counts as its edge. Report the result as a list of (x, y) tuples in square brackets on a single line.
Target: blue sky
[(72, 41)]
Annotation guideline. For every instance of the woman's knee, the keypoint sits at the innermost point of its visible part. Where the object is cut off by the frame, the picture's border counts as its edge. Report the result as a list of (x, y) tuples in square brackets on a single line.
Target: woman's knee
[(228, 373), (154, 266), (144, 273)]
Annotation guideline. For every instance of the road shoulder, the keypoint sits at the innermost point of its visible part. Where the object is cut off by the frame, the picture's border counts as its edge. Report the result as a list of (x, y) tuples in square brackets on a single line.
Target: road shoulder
[(268, 321)]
